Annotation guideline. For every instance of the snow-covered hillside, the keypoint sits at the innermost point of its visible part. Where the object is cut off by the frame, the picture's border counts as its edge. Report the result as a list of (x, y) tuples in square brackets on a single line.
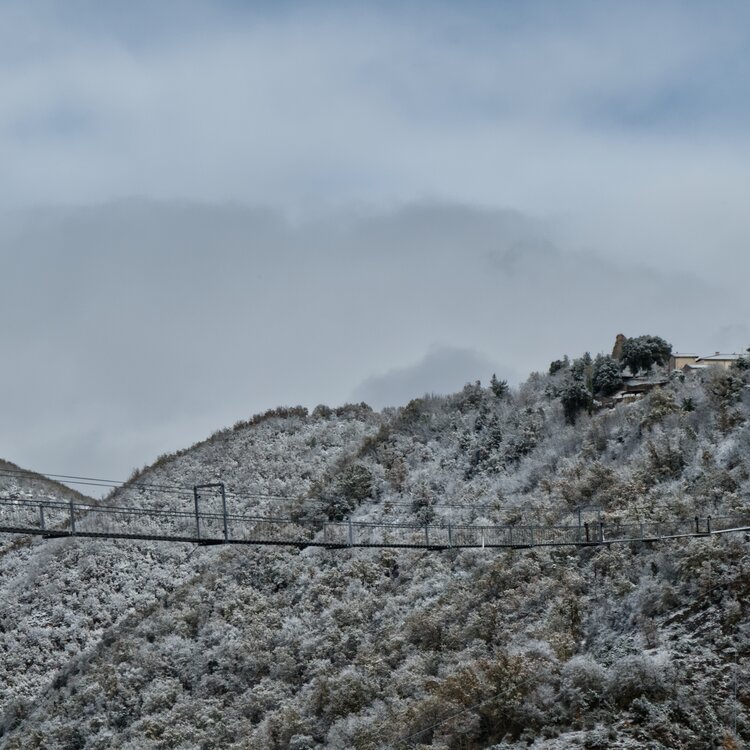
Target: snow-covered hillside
[(146, 645)]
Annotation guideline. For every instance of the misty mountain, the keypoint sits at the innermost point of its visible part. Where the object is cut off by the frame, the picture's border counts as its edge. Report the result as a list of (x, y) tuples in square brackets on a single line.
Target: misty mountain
[(118, 644), (171, 318)]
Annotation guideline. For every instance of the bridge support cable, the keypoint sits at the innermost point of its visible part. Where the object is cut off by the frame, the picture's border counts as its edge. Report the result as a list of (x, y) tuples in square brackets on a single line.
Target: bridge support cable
[(211, 524)]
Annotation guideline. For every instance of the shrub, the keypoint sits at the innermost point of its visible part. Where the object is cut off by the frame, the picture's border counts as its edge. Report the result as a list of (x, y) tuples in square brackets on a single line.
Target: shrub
[(665, 462), (354, 482), (660, 405), (725, 389), (639, 675), (354, 411), (743, 363)]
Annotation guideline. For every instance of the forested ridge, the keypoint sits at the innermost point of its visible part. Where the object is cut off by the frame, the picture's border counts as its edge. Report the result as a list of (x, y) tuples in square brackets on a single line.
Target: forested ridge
[(121, 644)]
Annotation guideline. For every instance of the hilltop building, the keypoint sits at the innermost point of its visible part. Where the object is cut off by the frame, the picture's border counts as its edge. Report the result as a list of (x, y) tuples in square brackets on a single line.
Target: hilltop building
[(687, 362), (637, 384)]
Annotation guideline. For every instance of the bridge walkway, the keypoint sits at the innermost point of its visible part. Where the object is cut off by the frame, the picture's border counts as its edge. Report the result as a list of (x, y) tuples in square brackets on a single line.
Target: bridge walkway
[(56, 519)]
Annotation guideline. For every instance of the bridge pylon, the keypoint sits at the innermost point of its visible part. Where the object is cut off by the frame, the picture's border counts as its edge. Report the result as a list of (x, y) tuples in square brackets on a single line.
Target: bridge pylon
[(197, 497)]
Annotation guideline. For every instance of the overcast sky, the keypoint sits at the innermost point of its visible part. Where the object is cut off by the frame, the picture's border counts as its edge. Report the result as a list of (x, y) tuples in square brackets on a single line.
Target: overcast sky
[(210, 209)]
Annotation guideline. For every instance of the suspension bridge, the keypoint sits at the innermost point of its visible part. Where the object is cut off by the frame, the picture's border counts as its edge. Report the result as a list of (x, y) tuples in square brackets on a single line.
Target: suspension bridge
[(55, 519)]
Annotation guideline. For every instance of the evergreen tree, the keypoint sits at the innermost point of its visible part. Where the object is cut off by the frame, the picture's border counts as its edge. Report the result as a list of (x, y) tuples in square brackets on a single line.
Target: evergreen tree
[(499, 387), (583, 369), (743, 363), (471, 395), (606, 378), (575, 397), (559, 364), (643, 352)]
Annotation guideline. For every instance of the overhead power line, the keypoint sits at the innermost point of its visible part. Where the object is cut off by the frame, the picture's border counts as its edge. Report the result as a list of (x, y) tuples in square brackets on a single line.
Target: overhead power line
[(187, 490)]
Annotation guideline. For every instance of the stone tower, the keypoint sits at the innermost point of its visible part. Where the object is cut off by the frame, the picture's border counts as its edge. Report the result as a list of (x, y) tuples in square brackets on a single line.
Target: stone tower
[(617, 350)]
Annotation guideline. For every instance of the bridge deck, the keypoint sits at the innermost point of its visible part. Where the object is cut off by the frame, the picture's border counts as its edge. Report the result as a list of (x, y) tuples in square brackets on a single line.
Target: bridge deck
[(55, 519)]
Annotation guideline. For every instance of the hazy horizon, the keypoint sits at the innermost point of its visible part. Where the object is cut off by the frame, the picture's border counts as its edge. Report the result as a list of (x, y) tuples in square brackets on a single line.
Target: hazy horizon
[(212, 209)]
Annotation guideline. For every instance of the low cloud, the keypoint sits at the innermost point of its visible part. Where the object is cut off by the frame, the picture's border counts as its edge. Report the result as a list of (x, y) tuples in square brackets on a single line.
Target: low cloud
[(192, 305), (631, 140), (137, 327)]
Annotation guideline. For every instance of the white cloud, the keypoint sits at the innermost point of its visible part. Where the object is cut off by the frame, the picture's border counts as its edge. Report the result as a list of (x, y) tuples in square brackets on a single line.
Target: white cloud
[(497, 108), (617, 134)]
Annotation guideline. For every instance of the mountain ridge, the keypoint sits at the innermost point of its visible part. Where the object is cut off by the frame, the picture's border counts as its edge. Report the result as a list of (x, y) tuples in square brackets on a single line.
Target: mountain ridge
[(166, 646)]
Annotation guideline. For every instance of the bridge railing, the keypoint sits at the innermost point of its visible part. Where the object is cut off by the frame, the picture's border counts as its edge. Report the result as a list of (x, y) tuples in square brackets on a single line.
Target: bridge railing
[(136, 522), (25, 514), (361, 534), (61, 517), (55, 517), (719, 523), (268, 530)]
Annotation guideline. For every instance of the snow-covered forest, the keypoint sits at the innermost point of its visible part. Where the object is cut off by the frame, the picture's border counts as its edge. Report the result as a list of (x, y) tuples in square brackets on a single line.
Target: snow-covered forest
[(140, 645)]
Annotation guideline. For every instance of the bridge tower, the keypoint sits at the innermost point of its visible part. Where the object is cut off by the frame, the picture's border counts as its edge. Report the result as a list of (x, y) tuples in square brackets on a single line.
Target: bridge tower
[(209, 519)]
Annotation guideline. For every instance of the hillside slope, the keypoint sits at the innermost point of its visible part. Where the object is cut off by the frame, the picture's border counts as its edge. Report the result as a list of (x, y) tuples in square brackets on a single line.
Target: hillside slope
[(146, 645)]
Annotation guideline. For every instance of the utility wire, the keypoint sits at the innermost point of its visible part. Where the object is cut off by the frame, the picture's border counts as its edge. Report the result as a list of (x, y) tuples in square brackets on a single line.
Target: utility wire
[(118, 483), (98, 481), (241, 495)]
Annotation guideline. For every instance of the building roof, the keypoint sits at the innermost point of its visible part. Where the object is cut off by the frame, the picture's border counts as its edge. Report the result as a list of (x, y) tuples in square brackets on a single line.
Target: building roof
[(720, 357), (634, 385), (647, 380), (624, 396)]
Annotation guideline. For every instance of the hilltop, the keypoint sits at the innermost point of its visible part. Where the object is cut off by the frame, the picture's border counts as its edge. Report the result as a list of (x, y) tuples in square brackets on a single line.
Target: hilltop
[(142, 645), (18, 482)]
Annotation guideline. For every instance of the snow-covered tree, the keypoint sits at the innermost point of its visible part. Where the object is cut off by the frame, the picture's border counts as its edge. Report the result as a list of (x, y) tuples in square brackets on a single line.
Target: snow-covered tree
[(575, 397), (643, 352), (499, 387), (607, 376)]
